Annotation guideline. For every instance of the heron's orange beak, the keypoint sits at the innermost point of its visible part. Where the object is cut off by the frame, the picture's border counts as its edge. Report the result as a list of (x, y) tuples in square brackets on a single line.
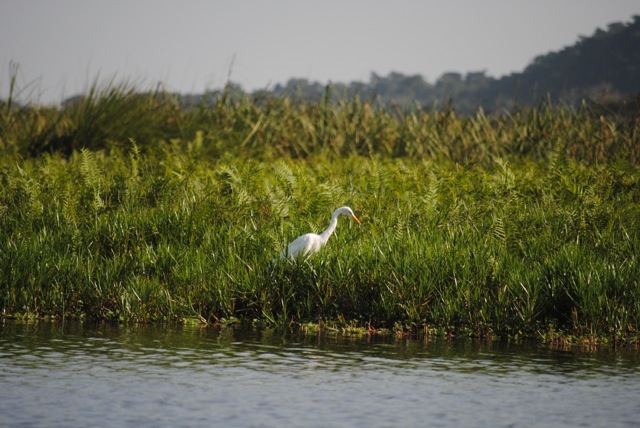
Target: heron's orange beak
[(356, 219)]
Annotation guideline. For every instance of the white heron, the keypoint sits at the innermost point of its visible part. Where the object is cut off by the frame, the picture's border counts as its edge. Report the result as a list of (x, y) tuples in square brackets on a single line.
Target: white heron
[(310, 243)]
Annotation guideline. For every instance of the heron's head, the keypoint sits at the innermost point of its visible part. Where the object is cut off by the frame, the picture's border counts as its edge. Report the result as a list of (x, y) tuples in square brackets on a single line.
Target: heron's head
[(346, 211)]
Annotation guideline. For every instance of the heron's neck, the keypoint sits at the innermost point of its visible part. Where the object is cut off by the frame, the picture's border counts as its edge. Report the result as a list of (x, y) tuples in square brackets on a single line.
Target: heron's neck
[(329, 230)]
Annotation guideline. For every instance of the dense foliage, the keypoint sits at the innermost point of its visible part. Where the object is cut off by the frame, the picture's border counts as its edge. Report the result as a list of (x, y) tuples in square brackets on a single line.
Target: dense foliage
[(122, 206)]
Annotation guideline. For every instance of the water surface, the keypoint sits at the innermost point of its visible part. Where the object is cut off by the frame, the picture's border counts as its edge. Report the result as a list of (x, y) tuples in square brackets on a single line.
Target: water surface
[(86, 374)]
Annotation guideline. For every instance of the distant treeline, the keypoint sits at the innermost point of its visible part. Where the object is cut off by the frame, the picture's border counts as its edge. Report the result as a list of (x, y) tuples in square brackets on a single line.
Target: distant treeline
[(603, 68)]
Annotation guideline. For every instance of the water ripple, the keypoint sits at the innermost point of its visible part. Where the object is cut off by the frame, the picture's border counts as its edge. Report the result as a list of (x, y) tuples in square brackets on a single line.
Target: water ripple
[(75, 375)]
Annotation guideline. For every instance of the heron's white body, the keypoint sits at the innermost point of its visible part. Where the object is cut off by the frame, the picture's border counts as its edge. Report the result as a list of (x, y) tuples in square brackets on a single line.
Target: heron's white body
[(310, 243)]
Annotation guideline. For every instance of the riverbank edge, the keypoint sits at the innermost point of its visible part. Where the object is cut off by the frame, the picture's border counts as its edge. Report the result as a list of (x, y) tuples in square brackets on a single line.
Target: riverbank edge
[(551, 335)]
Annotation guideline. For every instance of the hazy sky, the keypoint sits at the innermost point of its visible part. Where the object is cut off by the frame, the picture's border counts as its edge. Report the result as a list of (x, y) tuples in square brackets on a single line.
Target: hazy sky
[(62, 46)]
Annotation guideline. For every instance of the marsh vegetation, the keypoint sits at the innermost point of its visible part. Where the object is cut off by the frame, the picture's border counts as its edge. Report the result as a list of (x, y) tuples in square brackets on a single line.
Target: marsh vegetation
[(131, 207)]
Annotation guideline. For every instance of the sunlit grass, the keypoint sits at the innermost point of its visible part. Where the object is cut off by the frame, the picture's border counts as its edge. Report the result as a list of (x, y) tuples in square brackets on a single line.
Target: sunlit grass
[(510, 225)]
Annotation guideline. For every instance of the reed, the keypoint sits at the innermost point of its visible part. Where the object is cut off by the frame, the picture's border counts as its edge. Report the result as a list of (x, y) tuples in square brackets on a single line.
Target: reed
[(511, 225)]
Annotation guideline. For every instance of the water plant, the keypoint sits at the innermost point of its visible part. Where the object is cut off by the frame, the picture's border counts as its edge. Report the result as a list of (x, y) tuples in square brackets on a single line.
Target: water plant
[(505, 225)]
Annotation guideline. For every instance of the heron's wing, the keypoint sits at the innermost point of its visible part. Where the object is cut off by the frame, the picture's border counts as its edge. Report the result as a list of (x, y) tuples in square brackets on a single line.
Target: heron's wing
[(302, 245)]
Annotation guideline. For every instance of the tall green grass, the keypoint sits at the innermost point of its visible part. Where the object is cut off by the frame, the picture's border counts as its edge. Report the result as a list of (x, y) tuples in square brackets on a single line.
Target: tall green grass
[(515, 225), (108, 116)]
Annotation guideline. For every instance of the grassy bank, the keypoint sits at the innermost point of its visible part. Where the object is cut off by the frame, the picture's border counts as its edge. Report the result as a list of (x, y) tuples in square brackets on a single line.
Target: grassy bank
[(515, 225)]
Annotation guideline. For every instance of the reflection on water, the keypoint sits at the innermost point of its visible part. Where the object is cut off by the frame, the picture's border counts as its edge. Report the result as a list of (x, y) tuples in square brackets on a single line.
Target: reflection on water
[(83, 374)]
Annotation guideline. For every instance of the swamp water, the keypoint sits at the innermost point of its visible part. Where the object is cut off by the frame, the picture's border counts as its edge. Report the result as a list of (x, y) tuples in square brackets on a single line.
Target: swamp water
[(105, 375)]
